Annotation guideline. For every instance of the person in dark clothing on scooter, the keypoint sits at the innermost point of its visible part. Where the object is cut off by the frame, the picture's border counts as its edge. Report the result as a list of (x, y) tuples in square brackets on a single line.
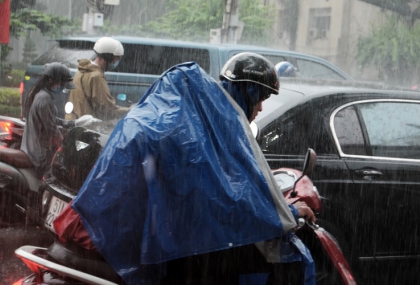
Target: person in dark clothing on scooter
[(41, 136)]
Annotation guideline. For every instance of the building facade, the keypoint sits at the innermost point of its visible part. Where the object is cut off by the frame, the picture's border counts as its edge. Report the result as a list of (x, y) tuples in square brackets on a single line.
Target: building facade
[(329, 29)]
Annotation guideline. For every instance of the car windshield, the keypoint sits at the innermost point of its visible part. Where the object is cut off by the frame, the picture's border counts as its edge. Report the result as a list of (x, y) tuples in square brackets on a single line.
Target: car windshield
[(67, 54)]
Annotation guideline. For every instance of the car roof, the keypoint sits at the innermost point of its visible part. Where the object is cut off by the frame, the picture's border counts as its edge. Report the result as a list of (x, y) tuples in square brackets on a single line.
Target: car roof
[(294, 92), (169, 42), (226, 47)]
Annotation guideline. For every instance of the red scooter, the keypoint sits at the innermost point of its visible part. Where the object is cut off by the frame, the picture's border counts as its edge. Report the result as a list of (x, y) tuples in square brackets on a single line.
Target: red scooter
[(331, 265)]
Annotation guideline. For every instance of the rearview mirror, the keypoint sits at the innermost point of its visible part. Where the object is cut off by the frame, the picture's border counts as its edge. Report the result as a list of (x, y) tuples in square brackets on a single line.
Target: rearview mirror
[(309, 162), (308, 167), (68, 108)]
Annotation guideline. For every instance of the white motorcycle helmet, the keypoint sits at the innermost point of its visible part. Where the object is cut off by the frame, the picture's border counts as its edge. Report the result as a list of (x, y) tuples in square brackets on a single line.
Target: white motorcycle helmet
[(109, 48)]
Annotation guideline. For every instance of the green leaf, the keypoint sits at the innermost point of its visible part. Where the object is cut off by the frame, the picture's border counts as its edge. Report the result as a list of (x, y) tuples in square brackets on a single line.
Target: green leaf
[(393, 49)]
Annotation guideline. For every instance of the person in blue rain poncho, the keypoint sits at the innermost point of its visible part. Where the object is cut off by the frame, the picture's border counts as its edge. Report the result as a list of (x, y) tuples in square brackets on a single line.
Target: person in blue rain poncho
[(182, 176)]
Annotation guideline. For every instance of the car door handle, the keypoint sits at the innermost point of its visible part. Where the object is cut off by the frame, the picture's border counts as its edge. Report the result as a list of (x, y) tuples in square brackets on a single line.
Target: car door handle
[(368, 174)]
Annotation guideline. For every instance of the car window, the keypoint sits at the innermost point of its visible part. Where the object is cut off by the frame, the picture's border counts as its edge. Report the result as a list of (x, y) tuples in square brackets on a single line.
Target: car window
[(296, 130), (150, 59), (311, 69), (140, 59), (349, 132), (391, 129), (274, 58), (271, 57), (69, 55), (275, 137)]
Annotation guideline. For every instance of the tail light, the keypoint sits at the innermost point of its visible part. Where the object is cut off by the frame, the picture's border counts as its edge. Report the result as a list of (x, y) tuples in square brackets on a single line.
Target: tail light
[(21, 88), (6, 126), (19, 282)]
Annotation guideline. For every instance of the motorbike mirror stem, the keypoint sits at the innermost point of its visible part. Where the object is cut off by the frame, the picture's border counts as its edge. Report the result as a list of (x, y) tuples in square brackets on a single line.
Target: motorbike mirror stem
[(308, 167)]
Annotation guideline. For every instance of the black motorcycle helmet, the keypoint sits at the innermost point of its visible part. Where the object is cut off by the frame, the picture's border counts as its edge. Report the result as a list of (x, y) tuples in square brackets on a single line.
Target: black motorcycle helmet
[(251, 67), (59, 72), (249, 78)]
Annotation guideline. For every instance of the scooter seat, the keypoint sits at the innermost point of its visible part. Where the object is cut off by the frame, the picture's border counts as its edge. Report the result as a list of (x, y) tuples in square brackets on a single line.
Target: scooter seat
[(15, 157)]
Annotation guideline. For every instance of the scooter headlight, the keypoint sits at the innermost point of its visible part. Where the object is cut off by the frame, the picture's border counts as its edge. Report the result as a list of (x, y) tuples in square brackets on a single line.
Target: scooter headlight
[(285, 179)]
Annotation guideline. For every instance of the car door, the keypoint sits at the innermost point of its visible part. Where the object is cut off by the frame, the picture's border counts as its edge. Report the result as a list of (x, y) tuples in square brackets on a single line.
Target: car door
[(379, 140)]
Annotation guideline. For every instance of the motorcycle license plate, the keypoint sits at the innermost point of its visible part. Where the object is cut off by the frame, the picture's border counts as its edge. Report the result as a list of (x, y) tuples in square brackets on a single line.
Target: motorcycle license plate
[(56, 207)]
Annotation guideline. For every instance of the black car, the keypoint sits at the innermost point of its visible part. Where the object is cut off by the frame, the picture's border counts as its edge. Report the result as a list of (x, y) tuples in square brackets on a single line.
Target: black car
[(367, 140)]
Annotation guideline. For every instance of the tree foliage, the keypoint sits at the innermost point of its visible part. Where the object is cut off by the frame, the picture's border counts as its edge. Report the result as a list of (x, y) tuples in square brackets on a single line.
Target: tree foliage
[(393, 48), (257, 18), (193, 19), (188, 19), (407, 8), (25, 20), (29, 51), (290, 20), (21, 4)]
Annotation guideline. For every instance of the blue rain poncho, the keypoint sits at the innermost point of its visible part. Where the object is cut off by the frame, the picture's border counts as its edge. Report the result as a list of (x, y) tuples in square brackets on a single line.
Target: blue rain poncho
[(180, 175)]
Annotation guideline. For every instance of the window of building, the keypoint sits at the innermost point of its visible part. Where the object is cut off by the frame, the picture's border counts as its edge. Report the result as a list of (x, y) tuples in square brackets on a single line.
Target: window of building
[(319, 24)]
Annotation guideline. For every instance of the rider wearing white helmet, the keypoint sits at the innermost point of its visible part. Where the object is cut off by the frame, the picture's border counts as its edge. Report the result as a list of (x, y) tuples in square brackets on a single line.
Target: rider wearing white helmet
[(92, 95)]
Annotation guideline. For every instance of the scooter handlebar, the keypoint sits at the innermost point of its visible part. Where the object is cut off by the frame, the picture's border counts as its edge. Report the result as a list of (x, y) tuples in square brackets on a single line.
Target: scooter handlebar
[(302, 222)]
